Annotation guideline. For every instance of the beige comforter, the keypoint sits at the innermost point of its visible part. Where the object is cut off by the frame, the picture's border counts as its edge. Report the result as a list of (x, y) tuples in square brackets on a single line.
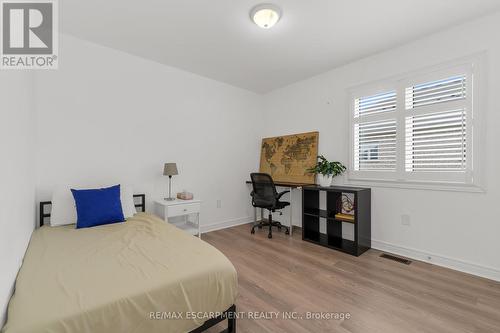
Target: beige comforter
[(116, 278)]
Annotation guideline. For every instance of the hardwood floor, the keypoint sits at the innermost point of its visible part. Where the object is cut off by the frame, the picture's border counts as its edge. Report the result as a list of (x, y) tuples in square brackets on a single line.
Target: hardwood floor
[(286, 274)]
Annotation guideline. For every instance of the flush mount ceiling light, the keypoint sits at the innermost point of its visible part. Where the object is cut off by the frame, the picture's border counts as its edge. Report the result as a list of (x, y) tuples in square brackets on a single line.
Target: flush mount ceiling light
[(265, 15)]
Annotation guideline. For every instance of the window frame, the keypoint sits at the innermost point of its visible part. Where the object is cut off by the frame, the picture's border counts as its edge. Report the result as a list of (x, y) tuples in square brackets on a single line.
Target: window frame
[(472, 178)]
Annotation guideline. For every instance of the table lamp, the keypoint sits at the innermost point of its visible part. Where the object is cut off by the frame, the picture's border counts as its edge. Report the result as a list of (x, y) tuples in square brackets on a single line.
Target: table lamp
[(170, 170)]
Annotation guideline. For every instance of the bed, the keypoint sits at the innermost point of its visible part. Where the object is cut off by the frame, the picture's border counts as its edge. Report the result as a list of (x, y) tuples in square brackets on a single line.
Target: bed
[(143, 275)]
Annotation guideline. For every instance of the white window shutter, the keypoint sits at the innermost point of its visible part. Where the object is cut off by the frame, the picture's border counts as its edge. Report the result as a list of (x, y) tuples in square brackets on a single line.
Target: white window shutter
[(375, 104), (436, 142), (441, 91), (375, 145)]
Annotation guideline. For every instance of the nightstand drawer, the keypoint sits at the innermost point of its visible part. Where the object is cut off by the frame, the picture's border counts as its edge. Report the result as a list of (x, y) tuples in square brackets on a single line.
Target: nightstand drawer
[(178, 210)]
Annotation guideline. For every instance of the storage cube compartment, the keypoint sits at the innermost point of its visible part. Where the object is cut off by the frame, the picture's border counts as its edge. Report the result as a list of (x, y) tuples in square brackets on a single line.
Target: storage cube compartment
[(311, 227), (332, 200)]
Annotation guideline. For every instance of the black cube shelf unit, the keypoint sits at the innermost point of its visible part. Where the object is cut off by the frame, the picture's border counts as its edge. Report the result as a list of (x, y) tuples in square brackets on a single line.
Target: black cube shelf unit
[(311, 214)]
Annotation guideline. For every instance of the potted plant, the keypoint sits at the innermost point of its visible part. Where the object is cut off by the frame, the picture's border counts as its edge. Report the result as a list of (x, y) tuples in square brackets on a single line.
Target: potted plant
[(326, 170)]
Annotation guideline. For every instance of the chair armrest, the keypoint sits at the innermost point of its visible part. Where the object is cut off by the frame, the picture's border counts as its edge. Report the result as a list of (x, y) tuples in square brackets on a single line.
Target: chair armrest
[(281, 194)]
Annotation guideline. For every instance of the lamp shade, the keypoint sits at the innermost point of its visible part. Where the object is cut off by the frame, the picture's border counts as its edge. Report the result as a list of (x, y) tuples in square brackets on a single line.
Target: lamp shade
[(170, 169)]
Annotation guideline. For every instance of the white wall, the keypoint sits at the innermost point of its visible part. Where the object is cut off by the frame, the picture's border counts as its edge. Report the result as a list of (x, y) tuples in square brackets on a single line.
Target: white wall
[(106, 116), (17, 189), (455, 229)]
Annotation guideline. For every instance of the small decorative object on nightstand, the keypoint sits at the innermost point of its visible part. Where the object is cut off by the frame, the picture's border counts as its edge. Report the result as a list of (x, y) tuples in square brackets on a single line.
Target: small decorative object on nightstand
[(180, 208), (185, 195), (170, 170)]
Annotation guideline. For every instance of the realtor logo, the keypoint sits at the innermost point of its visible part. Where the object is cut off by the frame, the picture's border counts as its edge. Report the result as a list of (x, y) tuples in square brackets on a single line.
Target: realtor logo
[(29, 34)]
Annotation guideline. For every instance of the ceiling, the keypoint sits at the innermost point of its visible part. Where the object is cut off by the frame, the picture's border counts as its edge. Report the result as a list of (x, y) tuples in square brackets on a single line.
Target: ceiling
[(216, 38)]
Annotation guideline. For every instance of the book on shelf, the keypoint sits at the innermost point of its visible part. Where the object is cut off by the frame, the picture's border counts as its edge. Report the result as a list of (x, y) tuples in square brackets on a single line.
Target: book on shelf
[(344, 217)]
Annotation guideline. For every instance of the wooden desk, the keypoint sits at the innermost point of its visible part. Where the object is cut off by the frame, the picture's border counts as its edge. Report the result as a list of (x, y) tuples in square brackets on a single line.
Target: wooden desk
[(290, 187), (286, 184)]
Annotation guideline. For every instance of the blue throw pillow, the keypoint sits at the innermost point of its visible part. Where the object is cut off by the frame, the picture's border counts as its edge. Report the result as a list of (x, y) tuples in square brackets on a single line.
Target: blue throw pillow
[(98, 206)]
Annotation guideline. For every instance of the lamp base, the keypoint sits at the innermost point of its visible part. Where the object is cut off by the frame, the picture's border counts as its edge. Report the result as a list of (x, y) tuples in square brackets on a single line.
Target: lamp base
[(169, 199)]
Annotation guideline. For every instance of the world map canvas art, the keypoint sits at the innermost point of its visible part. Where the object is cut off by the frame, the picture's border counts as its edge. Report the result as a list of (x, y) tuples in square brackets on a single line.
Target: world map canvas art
[(287, 158)]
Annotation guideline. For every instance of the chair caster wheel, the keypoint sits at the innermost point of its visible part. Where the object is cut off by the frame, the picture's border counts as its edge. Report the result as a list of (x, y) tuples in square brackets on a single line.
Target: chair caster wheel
[(252, 232), (269, 236)]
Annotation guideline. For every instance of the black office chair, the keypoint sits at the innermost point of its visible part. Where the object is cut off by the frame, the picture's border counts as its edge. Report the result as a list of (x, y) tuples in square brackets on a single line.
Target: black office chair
[(264, 195)]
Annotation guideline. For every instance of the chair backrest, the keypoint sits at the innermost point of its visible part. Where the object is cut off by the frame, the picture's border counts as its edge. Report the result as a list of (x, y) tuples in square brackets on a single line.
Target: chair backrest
[(264, 190)]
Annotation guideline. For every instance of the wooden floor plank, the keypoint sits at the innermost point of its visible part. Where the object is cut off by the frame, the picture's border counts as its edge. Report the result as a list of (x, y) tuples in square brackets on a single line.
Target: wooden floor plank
[(285, 274)]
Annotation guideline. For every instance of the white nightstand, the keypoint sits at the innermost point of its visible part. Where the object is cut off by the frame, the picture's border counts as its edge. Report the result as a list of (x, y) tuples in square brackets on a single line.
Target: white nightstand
[(167, 209)]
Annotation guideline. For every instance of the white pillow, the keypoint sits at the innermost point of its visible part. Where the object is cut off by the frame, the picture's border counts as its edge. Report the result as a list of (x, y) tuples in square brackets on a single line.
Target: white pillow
[(64, 210), (63, 207), (127, 199)]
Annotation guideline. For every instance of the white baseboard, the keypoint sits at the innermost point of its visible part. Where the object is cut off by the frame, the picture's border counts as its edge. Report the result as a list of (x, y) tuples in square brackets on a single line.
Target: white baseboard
[(459, 265), (226, 224)]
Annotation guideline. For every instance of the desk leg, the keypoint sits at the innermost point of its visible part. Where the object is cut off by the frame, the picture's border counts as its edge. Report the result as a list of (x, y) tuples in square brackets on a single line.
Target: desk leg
[(199, 228), (291, 209)]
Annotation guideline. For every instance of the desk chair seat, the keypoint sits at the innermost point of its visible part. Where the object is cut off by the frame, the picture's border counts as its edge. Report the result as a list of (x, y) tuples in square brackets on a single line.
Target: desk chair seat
[(264, 195)]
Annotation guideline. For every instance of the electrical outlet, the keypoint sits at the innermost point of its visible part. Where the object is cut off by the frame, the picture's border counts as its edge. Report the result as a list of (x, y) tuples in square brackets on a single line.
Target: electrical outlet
[(405, 220), (219, 203)]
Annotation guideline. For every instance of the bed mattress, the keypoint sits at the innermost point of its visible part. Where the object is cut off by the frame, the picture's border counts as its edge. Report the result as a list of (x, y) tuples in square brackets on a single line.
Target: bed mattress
[(143, 275)]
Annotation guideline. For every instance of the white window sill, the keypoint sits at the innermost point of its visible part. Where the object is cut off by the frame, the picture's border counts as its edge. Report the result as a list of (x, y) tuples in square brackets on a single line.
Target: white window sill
[(430, 186)]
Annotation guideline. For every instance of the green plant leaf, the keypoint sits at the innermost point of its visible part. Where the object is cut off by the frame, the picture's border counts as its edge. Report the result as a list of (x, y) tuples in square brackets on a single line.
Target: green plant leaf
[(326, 168)]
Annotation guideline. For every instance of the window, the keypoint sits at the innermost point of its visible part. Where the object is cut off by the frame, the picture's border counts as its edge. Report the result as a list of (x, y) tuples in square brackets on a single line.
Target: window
[(417, 128)]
